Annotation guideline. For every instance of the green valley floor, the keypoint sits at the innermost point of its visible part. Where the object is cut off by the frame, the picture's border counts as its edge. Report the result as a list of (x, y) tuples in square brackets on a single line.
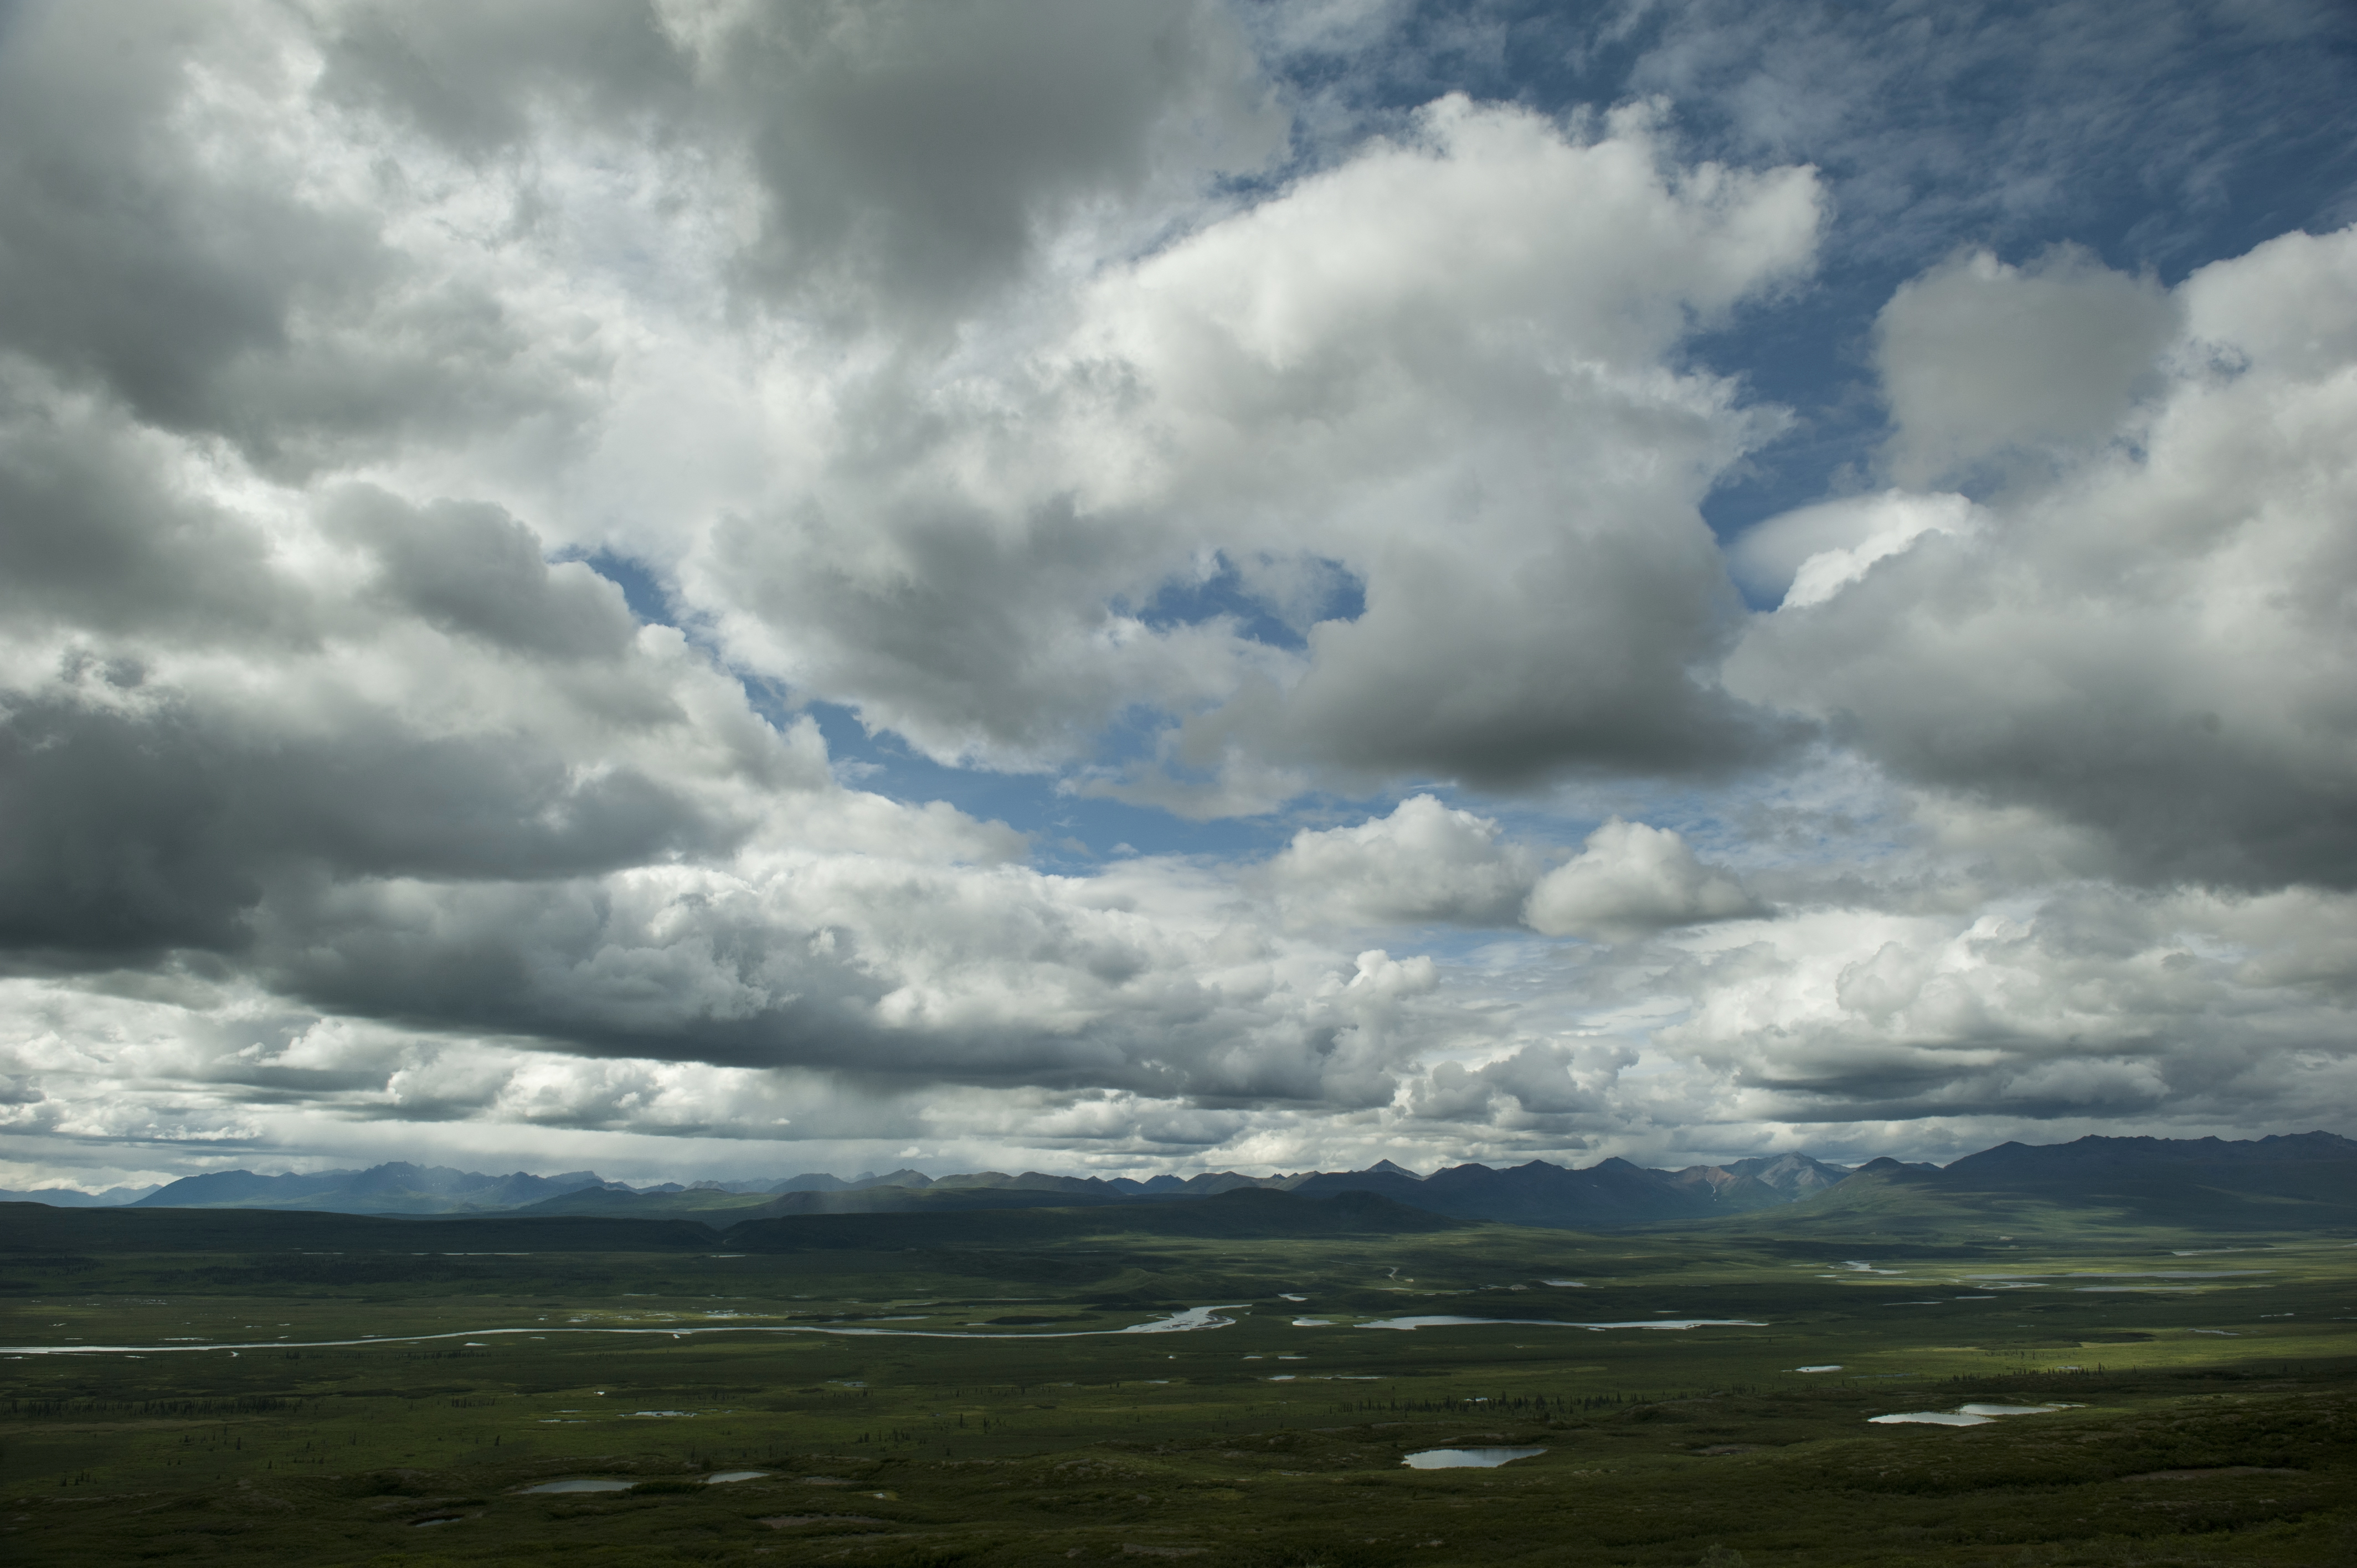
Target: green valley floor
[(2180, 1403)]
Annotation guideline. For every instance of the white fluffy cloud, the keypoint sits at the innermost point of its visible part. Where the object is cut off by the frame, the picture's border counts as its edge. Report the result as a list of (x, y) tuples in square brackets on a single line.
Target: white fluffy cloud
[(1430, 862), (1069, 389), (2151, 644), (1425, 862), (1979, 358), (1806, 556), (1439, 408), (2088, 1003), (1630, 879)]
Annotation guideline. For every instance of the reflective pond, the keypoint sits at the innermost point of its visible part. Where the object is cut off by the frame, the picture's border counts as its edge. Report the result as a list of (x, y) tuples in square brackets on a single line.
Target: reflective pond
[(1467, 1458), (1669, 1322), (1965, 1415)]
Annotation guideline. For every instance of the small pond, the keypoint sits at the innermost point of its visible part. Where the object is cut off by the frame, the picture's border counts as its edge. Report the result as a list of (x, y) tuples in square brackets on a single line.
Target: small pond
[(1671, 1323), (724, 1476), (1965, 1415), (1467, 1458), (578, 1486)]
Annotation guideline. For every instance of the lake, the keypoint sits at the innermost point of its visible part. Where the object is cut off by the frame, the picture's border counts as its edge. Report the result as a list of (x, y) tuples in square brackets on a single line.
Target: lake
[(1467, 1458), (1671, 1323)]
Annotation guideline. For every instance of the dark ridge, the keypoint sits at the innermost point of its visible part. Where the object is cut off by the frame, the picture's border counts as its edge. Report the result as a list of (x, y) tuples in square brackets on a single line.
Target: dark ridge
[(1887, 1169), (398, 1187), (2196, 1181), (847, 1200), (2282, 1158), (1607, 1196), (35, 1227), (2304, 1182), (1245, 1213)]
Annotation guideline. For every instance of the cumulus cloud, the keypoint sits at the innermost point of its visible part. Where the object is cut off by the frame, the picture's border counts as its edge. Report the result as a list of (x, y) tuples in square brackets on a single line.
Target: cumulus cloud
[(1630, 879), (1425, 862), (472, 568), (1544, 1086), (2147, 645), (469, 711), (906, 161), (1805, 556), (169, 246), (1128, 413), (1311, 378), (467, 797), (1386, 411), (1431, 862), (2089, 1003), (1979, 358)]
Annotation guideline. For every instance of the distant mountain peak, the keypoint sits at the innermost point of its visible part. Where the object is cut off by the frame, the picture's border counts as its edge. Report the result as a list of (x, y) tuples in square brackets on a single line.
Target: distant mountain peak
[(74, 1198), (1611, 1193), (1884, 1168), (903, 1177), (394, 1187)]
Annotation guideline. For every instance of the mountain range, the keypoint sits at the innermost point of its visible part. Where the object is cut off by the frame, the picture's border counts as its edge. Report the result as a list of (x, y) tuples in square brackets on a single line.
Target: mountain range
[(72, 1197), (1612, 1193), (2302, 1179), (395, 1188)]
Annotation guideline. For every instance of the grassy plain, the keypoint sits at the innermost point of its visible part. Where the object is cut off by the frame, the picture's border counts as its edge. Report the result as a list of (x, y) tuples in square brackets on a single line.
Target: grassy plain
[(2213, 1395)]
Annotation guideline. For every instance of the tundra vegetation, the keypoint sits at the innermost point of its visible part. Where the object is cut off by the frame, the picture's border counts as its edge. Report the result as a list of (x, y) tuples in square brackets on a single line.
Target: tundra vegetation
[(933, 1388)]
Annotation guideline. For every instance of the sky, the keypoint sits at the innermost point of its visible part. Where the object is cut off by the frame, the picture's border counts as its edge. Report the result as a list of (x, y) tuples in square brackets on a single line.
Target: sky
[(708, 589)]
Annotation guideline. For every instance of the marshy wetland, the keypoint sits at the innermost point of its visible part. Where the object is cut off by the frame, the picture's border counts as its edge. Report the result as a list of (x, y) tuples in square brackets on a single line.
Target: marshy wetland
[(1251, 1400)]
